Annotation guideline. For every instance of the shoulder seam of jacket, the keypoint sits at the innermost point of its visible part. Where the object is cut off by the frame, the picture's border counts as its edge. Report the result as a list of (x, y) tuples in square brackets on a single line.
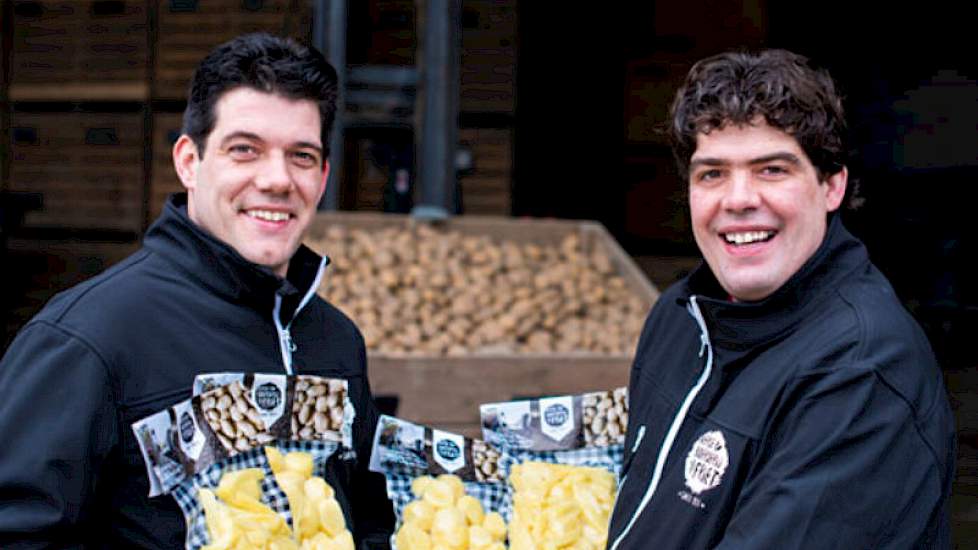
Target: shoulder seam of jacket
[(143, 252), (87, 344)]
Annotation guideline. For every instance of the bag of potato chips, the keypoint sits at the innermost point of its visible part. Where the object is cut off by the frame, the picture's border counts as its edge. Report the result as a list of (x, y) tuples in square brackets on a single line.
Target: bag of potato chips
[(253, 459), (445, 488), (568, 452)]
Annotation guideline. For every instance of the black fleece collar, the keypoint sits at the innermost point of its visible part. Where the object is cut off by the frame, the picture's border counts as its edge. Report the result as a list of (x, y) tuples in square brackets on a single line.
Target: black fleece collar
[(743, 326), (219, 268)]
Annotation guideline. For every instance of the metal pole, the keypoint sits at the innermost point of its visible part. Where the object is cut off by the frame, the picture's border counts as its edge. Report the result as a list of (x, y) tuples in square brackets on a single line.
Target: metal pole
[(329, 37), (439, 118)]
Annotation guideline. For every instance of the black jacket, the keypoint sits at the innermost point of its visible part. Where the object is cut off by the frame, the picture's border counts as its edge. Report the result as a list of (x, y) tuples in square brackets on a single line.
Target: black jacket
[(816, 418), (128, 343)]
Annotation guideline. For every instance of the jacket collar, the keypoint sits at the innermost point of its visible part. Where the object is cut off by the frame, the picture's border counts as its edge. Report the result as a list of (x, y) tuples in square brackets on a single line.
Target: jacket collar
[(742, 326), (214, 264)]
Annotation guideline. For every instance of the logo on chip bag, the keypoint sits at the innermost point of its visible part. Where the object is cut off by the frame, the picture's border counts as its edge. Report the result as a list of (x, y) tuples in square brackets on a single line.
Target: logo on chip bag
[(187, 428), (268, 396), (556, 415), (448, 449)]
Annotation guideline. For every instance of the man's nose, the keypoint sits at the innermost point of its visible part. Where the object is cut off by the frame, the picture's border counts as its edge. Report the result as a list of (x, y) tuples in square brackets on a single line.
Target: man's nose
[(274, 175), (741, 192)]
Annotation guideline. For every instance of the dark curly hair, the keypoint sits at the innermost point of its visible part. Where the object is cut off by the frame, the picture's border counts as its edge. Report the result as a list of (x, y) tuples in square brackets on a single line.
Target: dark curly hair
[(266, 63), (781, 86)]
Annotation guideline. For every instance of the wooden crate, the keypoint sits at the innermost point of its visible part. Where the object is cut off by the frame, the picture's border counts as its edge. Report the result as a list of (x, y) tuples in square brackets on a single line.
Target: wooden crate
[(487, 189), (459, 385), (88, 167), (488, 56), (69, 50), (166, 130), (189, 29)]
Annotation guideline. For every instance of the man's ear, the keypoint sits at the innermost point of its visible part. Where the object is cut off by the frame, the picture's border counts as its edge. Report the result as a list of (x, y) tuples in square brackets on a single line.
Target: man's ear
[(185, 160), (835, 189)]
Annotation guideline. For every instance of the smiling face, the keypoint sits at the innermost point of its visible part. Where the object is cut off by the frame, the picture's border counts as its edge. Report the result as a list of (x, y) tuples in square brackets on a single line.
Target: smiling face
[(758, 209), (259, 181)]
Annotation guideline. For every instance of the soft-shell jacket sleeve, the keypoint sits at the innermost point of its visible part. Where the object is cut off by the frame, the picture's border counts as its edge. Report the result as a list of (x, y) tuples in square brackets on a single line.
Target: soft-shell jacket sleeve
[(58, 423), (846, 466)]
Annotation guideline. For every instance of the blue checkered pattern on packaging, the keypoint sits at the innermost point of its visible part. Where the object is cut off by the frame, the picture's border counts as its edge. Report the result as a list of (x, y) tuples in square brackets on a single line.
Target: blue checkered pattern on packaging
[(187, 493)]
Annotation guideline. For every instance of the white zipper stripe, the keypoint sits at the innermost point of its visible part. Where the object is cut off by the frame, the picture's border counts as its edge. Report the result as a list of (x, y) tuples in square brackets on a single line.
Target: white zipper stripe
[(284, 336), (677, 422), (312, 289), (621, 482), (638, 438)]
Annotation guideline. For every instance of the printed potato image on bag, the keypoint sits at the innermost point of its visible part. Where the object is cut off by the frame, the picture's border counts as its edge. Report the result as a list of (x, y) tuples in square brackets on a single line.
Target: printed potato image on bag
[(301, 408)]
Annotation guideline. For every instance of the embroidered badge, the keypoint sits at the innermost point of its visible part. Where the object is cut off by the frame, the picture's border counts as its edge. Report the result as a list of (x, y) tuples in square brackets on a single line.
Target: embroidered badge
[(706, 462)]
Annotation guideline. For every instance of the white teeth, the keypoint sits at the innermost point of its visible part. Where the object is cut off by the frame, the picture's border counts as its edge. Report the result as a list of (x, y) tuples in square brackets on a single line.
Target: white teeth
[(748, 237), (268, 215)]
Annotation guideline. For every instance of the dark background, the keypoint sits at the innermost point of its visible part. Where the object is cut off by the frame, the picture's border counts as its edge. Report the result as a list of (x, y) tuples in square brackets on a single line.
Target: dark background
[(908, 79), (559, 104)]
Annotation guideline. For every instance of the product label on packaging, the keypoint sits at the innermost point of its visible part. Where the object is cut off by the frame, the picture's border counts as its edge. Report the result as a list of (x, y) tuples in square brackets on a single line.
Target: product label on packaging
[(189, 436), (557, 417), (449, 450), (268, 395)]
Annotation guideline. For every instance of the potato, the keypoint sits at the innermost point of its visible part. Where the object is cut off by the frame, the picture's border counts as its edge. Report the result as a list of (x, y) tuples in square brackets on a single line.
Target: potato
[(421, 291)]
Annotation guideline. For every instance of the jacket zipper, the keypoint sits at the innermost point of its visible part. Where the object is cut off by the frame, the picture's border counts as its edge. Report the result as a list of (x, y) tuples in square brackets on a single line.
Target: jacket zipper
[(286, 345), (677, 422)]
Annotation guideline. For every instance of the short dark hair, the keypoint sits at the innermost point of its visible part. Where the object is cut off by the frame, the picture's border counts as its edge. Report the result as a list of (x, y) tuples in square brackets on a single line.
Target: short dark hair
[(783, 87), (266, 63)]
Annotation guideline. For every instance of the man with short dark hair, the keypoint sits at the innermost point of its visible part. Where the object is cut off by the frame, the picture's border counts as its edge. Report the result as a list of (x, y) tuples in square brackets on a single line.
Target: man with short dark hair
[(222, 283), (781, 397)]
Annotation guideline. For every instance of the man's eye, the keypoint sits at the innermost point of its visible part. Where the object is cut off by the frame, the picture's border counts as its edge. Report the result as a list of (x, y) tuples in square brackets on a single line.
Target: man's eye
[(708, 175), (774, 170), (306, 159), (241, 149)]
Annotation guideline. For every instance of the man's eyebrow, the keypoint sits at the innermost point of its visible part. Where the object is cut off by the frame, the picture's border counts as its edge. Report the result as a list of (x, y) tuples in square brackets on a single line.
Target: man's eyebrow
[(782, 156), (241, 134), (707, 161), (779, 156)]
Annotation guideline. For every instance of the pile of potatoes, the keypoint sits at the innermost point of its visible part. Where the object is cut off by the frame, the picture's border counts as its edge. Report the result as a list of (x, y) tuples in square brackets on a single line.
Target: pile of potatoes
[(416, 290)]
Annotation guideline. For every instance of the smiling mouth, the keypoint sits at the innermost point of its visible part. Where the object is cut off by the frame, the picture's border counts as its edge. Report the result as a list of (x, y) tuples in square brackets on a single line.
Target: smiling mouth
[(747, 237), (268, 215)]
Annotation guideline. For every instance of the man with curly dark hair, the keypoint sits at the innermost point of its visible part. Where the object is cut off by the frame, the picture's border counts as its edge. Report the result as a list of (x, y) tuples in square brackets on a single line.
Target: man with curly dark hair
[(781, 396)]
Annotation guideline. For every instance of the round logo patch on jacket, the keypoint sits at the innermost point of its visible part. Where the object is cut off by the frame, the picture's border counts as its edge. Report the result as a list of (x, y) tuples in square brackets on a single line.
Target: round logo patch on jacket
[(706, 462)]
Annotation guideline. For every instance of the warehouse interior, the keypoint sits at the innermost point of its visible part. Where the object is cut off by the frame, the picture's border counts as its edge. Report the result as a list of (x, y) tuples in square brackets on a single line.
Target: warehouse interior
[(559, 111)]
